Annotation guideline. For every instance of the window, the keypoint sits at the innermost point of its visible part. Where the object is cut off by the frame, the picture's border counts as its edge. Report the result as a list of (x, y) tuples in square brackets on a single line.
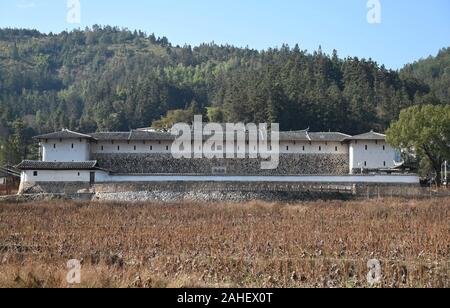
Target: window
[(135, 148), (303, 148), (287, 148), (167, 148), (365, 164), (320, 149), (72, 145), (384, 148), (151, 148), (103, 148), (78, 174), (336, 149), (112, 142), (35, 173), (367, 147), (384, 164), (118, 148), (54, 146)]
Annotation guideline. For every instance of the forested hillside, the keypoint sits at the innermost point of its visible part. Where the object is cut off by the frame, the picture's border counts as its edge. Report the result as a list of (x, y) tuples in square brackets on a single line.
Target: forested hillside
[(107, 78), (434, 71)]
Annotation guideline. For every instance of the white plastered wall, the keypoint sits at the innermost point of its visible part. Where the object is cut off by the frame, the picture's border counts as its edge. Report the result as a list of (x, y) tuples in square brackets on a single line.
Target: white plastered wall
[(66, 150)]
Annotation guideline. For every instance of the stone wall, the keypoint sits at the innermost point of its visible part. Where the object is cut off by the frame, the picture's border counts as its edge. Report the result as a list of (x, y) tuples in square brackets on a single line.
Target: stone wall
[(224, 191), (54, 188), (290, 164)]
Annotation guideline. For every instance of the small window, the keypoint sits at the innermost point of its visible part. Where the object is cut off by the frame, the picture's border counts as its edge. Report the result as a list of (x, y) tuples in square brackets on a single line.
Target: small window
[(303, 148), (72, 145), (384, 148), (287, 148), (135, 148), (118, 148), (167, 148), (151, 148), (320, 148), (78, 174), (35, 173), (159, 142), (365, 164), (103, 148), (384, 164), (376, 141), (367, 147), (54, 146), (112, 142), (336, 149)]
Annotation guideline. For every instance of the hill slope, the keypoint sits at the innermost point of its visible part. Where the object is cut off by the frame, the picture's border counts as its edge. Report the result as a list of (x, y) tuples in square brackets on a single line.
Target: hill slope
[(434, 71), (113, 79)]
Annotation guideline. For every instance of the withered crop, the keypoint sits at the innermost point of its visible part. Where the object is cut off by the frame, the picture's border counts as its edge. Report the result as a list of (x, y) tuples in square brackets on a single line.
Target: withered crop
[(313, 244)]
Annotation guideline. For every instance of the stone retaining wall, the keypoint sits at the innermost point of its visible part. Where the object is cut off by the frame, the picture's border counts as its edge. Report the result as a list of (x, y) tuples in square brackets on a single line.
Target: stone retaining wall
[(54, 188), (225, 191), (290, 164)]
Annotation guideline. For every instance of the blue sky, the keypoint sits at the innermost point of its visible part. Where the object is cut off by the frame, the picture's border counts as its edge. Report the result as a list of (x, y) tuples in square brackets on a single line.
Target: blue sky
[(409, 29)]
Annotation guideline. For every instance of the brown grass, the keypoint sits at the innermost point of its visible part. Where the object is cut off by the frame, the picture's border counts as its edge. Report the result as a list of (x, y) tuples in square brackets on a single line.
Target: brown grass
[(315, 244)]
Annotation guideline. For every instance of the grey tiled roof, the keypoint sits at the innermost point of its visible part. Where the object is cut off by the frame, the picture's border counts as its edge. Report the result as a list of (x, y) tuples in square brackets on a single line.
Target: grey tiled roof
[(141, 135), (41, 165), (331, 136), (108, 136), (133, 136), (368, 136), (301, 135), (64, 134)]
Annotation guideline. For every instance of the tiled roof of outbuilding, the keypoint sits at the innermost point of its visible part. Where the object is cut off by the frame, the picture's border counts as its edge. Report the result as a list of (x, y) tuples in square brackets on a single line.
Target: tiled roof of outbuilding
[(41, 165)]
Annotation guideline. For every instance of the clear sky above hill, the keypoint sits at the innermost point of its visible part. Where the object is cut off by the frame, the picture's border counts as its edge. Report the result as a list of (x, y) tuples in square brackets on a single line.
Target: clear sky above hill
[(409, 29)]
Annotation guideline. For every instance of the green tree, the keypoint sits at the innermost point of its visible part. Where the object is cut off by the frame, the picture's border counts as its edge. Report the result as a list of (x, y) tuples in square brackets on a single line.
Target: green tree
[(173, 117), (424, 131)]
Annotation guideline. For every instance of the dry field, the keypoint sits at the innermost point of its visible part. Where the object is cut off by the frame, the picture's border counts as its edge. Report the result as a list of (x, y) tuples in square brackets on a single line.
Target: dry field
[(315, 244)]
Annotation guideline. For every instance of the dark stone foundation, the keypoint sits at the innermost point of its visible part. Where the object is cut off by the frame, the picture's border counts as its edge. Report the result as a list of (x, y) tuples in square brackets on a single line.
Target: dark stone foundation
[(290, 164)]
